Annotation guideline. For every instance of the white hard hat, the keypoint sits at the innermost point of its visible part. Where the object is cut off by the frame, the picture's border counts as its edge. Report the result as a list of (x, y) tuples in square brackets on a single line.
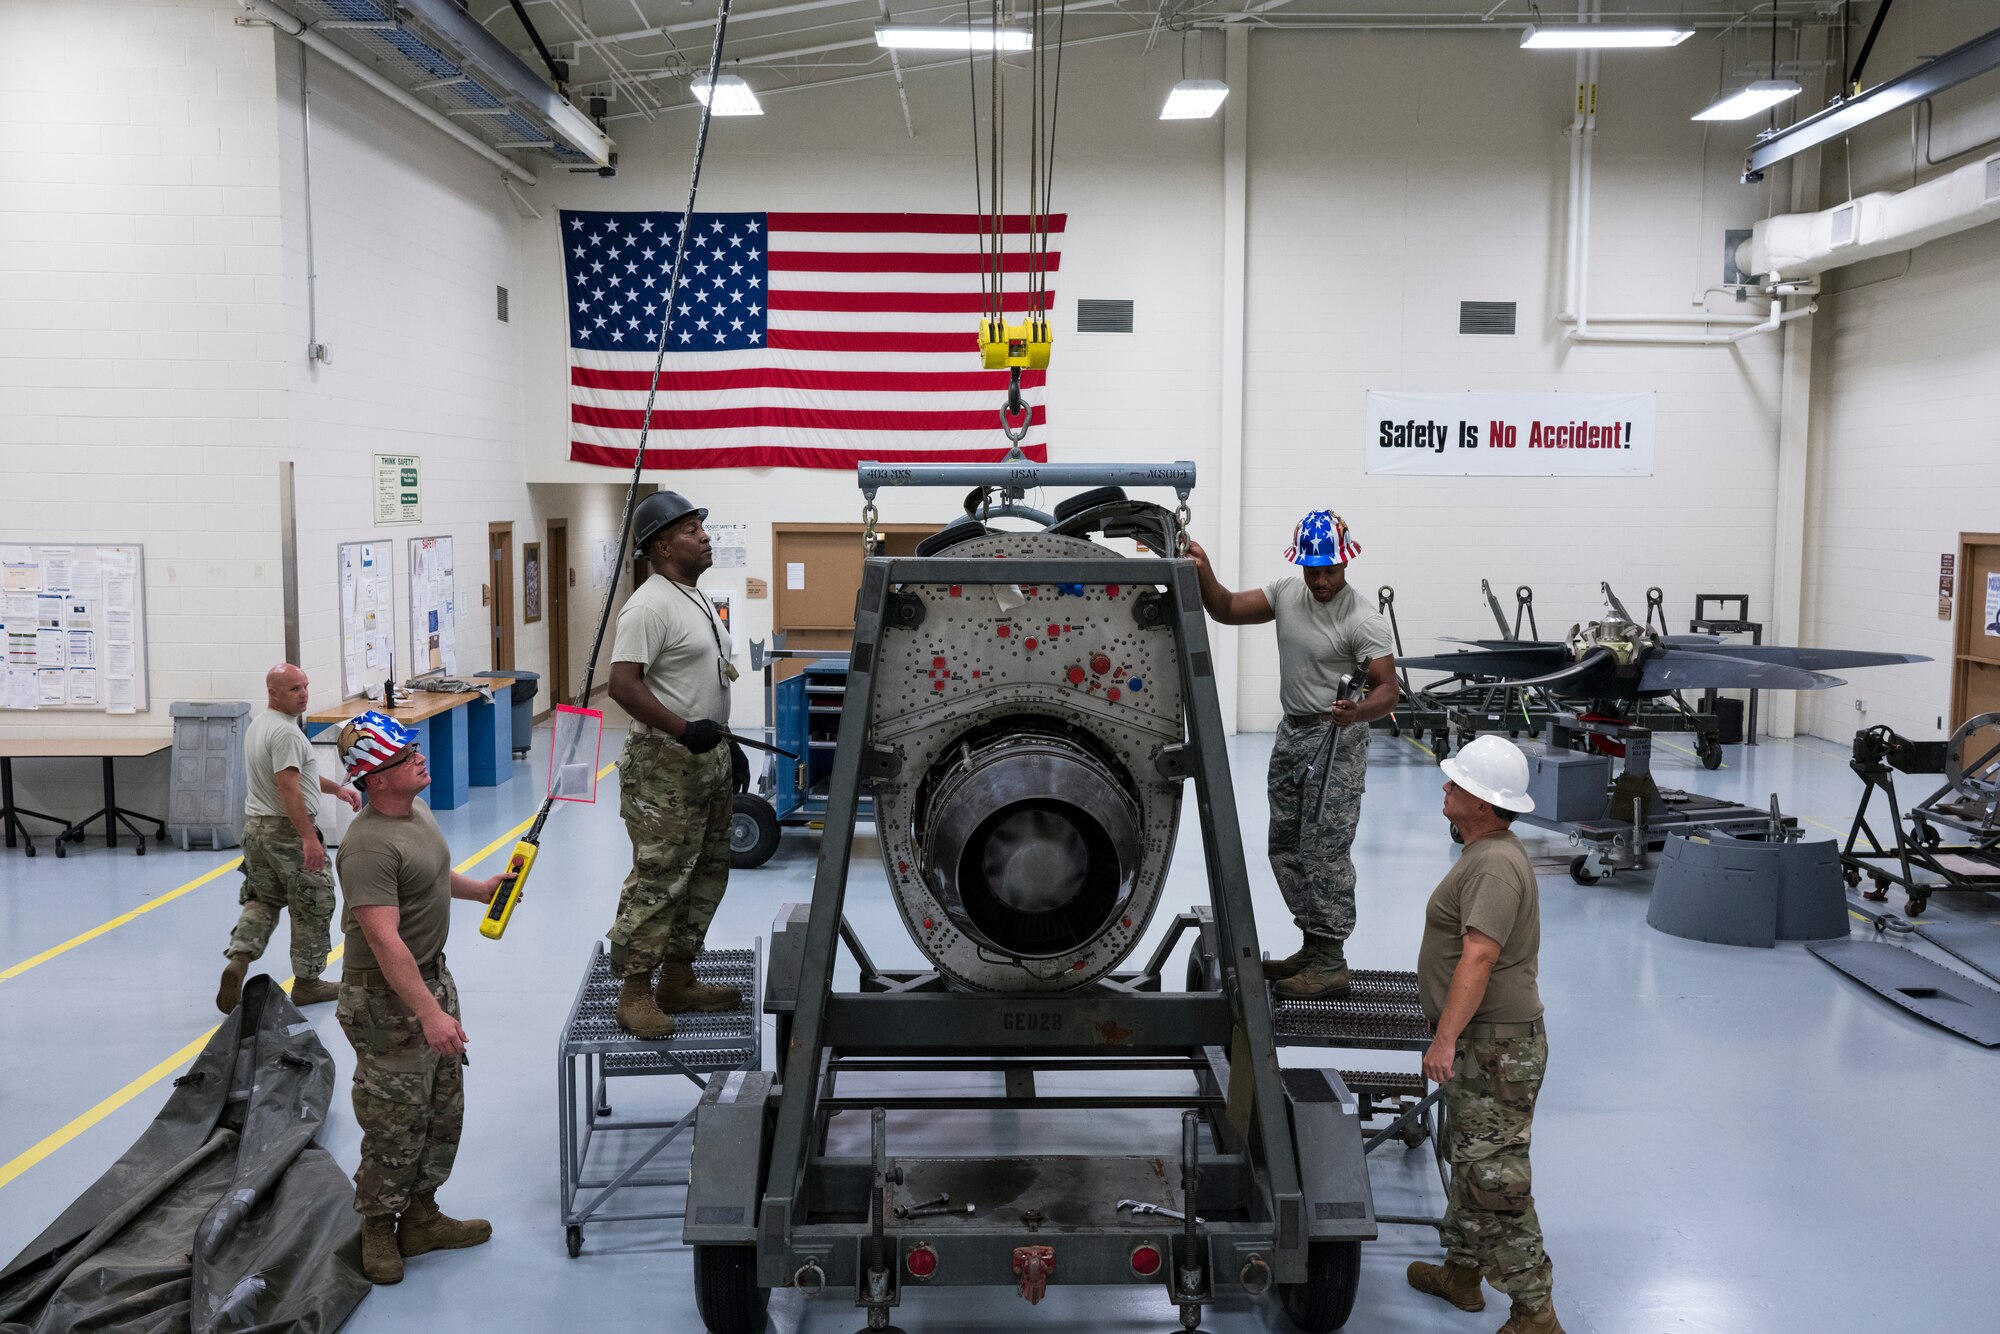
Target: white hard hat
[(1494, 770)]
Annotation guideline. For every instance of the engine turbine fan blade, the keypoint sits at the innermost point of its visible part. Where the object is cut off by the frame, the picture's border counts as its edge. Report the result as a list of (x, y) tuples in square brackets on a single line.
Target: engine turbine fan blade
[(1686, 669)]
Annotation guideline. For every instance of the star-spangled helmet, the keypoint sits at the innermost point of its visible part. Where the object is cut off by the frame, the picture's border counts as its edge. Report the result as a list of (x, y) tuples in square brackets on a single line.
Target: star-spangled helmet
[(372, 741), (1322, 539)]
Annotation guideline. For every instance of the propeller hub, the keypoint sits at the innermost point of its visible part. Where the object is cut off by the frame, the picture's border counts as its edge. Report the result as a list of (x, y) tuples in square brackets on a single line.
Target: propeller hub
[(1626, 642)]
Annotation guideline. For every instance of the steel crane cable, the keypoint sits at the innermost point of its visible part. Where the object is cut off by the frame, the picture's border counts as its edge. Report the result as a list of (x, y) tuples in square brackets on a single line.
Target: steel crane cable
[(652, 387)]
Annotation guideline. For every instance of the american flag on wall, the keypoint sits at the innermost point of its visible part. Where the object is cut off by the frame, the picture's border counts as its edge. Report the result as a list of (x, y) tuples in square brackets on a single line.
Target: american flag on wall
[(804, 340)]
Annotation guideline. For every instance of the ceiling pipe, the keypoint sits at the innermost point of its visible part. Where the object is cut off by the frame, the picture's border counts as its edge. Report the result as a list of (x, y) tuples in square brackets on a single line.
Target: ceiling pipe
[(1777, 316), (292, 26)]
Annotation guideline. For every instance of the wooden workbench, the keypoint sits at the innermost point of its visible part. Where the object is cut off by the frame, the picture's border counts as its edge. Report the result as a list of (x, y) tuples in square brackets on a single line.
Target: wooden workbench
[(464, 749)]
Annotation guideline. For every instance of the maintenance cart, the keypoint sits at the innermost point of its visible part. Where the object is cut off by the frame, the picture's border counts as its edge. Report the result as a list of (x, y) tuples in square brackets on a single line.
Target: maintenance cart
[(801, 715), (1920, 860)]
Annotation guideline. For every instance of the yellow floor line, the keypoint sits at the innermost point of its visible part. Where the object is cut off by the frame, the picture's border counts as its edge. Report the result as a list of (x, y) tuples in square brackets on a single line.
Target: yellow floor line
[(1684, 751), (1412, 739), (119, 920), (21, 1162)]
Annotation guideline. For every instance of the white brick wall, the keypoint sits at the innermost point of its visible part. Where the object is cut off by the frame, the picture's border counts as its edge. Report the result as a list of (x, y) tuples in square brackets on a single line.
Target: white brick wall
[(131, 408)]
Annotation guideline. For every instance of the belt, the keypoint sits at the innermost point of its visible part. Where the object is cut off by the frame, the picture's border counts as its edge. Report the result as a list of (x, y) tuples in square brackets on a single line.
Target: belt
[(1312, 719), (374, 977), (1532, 1028)]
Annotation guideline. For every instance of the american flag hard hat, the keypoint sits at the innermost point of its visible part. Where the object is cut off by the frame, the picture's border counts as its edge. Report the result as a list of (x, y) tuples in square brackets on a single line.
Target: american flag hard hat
[(372, 741), (1322, 539)]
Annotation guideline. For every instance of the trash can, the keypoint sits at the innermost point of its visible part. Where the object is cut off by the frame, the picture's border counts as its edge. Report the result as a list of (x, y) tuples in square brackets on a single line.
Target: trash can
[(525, 686), (1729, 721), (206, 783)]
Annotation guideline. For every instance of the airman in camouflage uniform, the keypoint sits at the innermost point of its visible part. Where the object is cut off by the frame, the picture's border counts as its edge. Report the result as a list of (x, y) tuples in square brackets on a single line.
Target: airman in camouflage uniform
[(1336, 669), (1477, 970), (670, 670)]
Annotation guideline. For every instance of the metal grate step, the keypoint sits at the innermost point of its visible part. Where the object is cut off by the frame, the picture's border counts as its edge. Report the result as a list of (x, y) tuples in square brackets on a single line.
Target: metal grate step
[(700, 1042), (1380, 1011)]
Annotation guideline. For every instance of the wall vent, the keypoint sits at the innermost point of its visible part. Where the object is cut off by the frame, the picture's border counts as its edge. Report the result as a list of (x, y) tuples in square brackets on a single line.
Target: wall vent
[(1105, 317), (500, 303), (1992, 179), (1486, 317), (1842, 224)]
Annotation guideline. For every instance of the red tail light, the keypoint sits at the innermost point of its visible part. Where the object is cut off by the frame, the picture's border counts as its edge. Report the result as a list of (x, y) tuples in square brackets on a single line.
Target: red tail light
[(1145, 1259), (922, 1261)]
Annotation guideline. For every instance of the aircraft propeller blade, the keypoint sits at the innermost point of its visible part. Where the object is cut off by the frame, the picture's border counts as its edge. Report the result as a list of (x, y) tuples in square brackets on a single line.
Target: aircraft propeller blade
[(1683, 669), (1502, 663), (1503, 643), (1816, 659)]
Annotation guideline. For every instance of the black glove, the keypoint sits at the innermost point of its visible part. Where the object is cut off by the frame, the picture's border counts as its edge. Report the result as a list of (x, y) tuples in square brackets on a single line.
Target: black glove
[(739, 768), (702, 735)]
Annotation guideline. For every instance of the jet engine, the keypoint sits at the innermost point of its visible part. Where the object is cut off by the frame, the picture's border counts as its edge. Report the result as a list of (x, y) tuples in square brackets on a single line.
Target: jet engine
[(1028, 824)]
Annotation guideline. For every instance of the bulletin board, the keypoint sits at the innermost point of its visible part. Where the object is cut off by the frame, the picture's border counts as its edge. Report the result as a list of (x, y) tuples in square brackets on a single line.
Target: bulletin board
[(433, 610), (74, 618), (367, 615)]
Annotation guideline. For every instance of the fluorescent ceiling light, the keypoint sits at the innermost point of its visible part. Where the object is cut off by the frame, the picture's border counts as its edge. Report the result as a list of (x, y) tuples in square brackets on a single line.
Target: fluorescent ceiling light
[(1194, 99), (1569, 36), (1747, 102), (731, 95), (910, 37)]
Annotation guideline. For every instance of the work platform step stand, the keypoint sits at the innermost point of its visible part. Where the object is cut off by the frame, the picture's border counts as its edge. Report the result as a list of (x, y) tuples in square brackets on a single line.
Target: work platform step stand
[(594, 1050)]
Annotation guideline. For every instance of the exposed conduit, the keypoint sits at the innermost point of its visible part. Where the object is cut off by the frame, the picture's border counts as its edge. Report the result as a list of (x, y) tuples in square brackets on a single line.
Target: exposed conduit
[(1794, 245), (294, 27)]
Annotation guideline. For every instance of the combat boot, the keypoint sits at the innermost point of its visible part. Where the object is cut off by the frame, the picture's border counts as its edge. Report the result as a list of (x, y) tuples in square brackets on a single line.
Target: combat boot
[(230, 993), (425, 1228), (1524, 1321), (1457, 1284), (380, 1260), (1277, 970), (679, 992), (638, 1013), (313, 991), (1323, 977)]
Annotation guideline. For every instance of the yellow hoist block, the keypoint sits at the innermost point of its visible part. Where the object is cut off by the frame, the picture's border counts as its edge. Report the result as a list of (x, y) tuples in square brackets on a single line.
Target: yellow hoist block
[(1005, 346), (501, 907)]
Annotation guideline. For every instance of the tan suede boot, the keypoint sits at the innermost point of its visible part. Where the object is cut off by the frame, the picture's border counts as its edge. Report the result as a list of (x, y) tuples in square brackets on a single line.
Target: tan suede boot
[(679, 992), (1323, 977), (423, 1228), (230, 993), (380, 1260), (1457, 1284), (1524, 1321), (638, 1013), (1277, 970), (313, 991)]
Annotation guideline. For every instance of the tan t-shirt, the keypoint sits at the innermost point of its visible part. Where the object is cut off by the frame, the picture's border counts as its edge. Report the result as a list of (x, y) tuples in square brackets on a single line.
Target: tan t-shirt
[(671, 630), (1320, 642), (396, 862), (271, 744), (1491, 889)]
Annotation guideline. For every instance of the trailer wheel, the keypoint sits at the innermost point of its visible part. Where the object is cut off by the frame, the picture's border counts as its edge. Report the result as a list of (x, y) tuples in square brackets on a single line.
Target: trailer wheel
[(1326, 1298), (1579, 871), (1197, 968), (753, 831), (726, 1292), (1708, 750)]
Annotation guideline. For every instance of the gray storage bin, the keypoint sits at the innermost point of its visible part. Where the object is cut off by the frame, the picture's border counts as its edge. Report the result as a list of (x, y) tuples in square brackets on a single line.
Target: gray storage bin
[(206, 784), (525, 686), (1567, 784)]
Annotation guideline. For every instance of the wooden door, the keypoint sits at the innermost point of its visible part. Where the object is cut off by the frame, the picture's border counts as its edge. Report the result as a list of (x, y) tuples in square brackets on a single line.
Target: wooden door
[(500, 578), (557, 578), (1975, 669)]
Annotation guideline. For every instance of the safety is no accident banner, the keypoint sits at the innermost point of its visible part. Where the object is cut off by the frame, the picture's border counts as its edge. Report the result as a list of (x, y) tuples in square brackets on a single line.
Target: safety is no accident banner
[(1510, 434)]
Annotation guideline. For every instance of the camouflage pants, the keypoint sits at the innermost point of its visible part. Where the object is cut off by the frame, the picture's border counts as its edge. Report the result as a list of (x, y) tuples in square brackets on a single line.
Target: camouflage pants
[(408, 1100), (676, 808), (1490, 1222), (275, 878), (1313, 857)]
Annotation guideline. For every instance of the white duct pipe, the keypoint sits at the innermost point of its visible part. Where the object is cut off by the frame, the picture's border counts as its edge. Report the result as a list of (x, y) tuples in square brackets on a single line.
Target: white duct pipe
[(1576, 312), (1794, 245), (294, 27), (1778, 316)]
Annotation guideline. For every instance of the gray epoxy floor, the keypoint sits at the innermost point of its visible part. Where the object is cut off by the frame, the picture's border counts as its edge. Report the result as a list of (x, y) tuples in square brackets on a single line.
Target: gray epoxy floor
[(1729, 1140)]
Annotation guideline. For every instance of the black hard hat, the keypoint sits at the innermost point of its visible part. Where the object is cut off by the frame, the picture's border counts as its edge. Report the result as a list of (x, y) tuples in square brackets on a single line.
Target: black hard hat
[(656, 512)]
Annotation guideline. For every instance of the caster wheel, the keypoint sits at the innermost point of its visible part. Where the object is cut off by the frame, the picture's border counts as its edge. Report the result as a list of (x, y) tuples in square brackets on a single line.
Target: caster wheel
[(1879, 894), (59, 849), (1579, 871), (1915, 907), (1414, 1134), (575, 1241), (1709, 753), (1928, 836), (31, 849), (1852, 877)]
